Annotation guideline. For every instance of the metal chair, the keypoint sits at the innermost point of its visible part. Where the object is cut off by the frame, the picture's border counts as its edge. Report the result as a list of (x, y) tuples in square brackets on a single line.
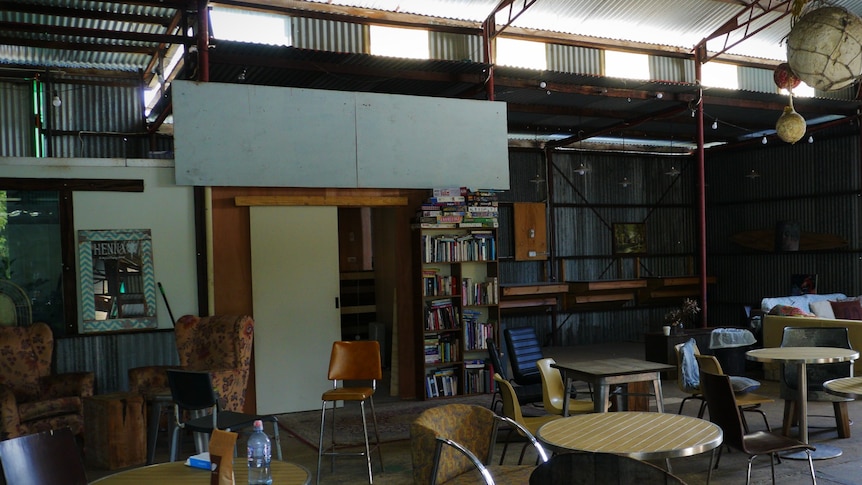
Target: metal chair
[(724, 411), (194, 396), (524, 350), (45, 458), (529, 394), (357, 360), (817, 374)]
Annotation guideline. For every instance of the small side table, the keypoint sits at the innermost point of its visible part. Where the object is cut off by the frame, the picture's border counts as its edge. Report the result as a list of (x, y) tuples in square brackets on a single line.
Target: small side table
[(114, 430)]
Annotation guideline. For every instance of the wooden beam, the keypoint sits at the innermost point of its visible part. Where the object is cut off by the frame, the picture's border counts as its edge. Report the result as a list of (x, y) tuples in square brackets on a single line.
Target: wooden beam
[(321, 200)]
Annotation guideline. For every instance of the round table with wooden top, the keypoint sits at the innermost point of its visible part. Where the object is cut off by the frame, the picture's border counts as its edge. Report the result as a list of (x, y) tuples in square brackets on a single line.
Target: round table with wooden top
[(639, 435), (849, 387), (801, 357), (178, 473)]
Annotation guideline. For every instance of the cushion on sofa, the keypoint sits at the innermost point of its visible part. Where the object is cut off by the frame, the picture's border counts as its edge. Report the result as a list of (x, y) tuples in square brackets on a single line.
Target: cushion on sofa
[(822, 309), (799, 301), (789, 311), (847, 309)]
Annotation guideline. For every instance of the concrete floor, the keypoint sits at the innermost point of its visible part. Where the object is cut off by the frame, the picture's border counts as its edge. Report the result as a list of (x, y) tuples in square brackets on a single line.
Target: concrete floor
[(844, 470)]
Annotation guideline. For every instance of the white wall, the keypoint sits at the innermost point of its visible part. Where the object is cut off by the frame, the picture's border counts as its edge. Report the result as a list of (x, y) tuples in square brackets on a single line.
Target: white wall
[(163, 207)]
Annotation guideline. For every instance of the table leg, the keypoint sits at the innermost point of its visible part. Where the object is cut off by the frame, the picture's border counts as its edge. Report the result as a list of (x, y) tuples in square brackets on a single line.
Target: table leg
[(659, 398), (600, 400), (823, 451), (566, 396)]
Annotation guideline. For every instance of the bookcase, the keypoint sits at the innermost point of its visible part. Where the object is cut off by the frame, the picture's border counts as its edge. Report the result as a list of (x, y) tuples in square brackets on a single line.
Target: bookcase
[(459, 304)]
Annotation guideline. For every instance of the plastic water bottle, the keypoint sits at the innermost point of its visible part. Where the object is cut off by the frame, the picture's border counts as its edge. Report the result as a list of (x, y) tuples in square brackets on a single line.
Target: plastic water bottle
[(259, 456)]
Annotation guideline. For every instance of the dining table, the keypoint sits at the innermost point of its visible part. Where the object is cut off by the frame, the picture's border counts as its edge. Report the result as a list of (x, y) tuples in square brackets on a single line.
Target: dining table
[(802, 357), (636, 434), (178, 473), (601, 374)]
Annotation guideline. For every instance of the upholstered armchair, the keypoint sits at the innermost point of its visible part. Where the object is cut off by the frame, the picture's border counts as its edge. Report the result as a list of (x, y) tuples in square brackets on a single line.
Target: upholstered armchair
[(32, 399), (220, 345)]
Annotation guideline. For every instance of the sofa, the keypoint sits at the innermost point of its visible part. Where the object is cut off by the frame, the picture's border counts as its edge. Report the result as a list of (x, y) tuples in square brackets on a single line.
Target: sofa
[(810, 311)]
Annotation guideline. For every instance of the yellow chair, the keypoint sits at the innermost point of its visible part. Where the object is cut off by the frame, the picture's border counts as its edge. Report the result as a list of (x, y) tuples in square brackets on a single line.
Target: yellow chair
[(553, 391), (512, 410), (454, 444), (356, 360)]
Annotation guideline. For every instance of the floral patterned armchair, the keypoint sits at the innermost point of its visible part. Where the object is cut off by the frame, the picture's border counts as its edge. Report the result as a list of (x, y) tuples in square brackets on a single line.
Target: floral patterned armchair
[(220, 344), (32, 399)]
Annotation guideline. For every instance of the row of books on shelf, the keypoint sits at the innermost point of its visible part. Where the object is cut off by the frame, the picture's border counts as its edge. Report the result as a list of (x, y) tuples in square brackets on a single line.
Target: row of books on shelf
[(441, 348), (441, 314), (479, 381), (475, 331), (480, 293), (442, 382), (449, 248), (459, 207), (435, 284)]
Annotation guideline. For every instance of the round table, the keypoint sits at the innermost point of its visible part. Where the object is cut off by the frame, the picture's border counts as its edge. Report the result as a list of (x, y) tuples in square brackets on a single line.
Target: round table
[(178, 473), (849, 387), (801, 357), (639, 435)]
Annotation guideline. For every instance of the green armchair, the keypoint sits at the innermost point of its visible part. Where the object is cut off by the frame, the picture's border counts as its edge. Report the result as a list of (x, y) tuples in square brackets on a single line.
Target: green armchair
[(32, 399)]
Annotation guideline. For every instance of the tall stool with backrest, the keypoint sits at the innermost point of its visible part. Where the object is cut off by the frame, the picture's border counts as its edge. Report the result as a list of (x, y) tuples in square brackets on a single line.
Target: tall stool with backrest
[(817, 374), (357, 360), (524, 350), (193, 395)]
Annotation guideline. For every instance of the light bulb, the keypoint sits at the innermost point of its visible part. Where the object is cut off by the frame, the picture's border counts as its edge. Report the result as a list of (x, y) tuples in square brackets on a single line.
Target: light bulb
[(810, 138), (715, 125), (763, 140), (56, 101), (543, 84)]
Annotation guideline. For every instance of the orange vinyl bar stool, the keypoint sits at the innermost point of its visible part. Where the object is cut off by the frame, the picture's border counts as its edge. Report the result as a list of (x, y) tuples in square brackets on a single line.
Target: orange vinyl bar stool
[(357, 360)]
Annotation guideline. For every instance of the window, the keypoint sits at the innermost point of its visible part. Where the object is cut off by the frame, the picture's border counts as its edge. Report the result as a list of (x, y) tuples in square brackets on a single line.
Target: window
[(247, 26), (626, 65), (397, 42), (521, 53), (719, 75)]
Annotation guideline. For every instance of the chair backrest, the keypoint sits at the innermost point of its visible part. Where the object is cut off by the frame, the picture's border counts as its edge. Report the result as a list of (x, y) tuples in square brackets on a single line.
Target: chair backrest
[(599, 468), (46, 458), (524, 350), (215, 342), (191, 390), (473, 427), (687, 370), (709, 363), (816, 337), (355, 360), (722, 406), (25, 356), (553, 389), (511, 406), (494, 356)]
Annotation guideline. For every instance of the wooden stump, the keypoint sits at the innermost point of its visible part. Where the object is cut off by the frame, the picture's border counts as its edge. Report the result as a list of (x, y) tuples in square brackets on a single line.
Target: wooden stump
[(114, 431)]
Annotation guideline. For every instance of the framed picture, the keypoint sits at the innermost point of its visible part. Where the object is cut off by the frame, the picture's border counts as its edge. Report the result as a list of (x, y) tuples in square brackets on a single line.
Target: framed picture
[(118, 285), (629, 239)]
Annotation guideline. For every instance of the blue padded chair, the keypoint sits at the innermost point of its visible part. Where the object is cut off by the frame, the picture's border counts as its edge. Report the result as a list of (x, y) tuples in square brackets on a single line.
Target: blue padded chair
[(524, 351)]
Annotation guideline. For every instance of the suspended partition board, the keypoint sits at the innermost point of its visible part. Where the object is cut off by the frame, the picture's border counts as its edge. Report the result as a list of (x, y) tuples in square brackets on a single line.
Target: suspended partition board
[(241, 135)]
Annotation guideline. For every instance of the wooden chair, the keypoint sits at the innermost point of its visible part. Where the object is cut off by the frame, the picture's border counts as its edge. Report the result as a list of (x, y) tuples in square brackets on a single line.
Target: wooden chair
[(194, 396), (724, 411), (512, 410), (454, 443), (46, 458), (599, 469), (817, 374), (554, 391), (356, 360)]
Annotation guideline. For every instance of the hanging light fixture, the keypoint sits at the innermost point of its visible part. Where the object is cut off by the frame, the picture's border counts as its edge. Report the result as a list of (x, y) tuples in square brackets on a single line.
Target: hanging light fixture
[(625, 182), (715, 125), (56, 101), (673, 172), (582, 169), (753, 174), (764, 140)]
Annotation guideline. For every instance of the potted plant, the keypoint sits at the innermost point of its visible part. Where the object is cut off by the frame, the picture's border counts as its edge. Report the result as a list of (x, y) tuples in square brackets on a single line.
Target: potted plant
[(682, 317)]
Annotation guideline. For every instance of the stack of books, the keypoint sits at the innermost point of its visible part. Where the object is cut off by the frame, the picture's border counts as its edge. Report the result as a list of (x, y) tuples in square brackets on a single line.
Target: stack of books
[(459, 207)]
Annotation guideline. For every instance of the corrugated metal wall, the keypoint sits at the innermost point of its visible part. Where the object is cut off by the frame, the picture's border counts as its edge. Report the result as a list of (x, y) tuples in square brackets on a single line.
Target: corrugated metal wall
[(671, 69), (329, 35), (754, 79), (17, 128), (578, 60), (455, 47), (110, 356)]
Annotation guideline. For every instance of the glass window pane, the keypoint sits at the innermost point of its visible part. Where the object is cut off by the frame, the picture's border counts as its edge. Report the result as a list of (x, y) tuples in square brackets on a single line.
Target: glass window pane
[(30, 254)]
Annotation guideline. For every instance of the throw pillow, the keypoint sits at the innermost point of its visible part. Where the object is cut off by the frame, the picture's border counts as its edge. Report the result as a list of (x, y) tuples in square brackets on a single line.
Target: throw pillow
[(822, 309), (847, 309), (789, 311), (742, 384)]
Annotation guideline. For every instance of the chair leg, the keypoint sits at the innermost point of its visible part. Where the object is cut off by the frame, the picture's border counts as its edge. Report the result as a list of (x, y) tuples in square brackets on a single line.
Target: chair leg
[(367, 447), (376, 434), (711, 459), (276, 438), (320, 441), (175, 443), (842, 419)]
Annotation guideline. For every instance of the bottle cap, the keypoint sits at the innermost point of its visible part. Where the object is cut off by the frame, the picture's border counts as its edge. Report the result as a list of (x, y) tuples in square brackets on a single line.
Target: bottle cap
[(258, 424)]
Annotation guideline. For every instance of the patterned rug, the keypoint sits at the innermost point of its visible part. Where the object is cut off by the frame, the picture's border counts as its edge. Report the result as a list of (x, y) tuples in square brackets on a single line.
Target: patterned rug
[(393, 420)]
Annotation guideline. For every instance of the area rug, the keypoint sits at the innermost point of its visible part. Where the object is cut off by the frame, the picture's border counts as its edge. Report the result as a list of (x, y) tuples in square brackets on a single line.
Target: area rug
[(393, 420)]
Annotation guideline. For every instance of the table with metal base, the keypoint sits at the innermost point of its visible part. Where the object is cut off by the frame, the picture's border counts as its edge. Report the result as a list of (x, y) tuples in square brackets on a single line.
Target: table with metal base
[(801, 357)]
